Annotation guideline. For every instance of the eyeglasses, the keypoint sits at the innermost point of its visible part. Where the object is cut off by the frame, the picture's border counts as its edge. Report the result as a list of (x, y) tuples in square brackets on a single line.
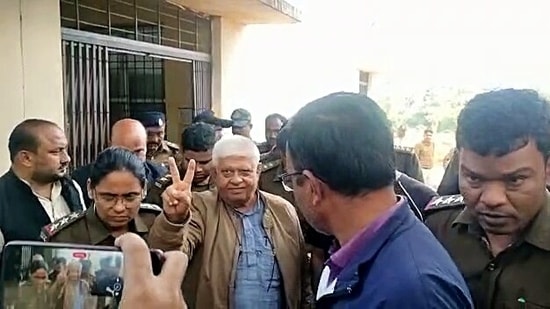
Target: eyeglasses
[(112, 199), (286, 180)]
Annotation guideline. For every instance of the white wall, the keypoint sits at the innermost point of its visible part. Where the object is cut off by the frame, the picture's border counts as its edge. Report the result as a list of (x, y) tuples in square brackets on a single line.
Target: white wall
[(279, 68), (30, 65)]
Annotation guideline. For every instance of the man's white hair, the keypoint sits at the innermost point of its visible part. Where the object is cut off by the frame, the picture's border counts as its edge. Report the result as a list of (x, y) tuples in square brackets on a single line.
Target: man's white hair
[(235, 145)]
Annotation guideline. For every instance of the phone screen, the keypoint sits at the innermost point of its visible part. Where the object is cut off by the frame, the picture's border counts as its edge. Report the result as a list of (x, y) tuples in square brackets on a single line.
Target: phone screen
[(45, 275)]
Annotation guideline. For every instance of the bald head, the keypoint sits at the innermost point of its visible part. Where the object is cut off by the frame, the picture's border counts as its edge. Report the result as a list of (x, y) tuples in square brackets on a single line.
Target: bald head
[(131, 134)]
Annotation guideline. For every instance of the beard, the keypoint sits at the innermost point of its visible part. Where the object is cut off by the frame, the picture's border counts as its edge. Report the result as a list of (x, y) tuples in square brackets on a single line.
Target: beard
[(48, 177)]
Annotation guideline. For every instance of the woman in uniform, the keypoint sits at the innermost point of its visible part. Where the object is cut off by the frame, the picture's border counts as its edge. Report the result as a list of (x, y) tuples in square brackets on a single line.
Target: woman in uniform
[(117, 187)]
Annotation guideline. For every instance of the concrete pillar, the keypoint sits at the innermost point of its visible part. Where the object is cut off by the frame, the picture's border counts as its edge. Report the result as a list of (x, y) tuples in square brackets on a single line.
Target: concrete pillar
[(31, 82), (226, 36)]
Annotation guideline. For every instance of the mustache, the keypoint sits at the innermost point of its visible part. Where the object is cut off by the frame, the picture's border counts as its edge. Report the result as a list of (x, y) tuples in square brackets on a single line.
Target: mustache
[(493, 214)]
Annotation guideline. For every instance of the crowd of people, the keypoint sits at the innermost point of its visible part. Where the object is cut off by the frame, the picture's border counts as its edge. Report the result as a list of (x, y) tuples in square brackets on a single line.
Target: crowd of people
[(325, 213)]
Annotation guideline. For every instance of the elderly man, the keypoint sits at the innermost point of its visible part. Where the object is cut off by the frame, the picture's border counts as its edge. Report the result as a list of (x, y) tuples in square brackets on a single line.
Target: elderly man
[(130, 134), (245, 246)]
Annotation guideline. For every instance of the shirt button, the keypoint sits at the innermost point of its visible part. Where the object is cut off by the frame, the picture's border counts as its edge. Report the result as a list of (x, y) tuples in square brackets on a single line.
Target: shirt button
[(348, 289), (492, 266)]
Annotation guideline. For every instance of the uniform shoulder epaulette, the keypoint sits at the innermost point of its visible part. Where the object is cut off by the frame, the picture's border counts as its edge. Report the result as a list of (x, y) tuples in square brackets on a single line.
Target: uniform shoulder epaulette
[(270, 165), (53, 228), (150, 208), (445, 202), (174, 146), (163, 181), (404, 148)]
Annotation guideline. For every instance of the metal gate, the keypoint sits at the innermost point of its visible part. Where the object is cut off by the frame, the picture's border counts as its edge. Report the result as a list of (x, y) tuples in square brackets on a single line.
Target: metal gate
[(86, 96), (202, 86)]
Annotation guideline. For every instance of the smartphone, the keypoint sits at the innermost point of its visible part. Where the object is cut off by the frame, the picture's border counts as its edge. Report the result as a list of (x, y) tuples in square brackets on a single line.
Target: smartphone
[(45, 275)]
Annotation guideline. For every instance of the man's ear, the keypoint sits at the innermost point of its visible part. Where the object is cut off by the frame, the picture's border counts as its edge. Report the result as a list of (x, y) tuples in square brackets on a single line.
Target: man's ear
[(25, 158), (316, 186), (89, 189), (548, 172)]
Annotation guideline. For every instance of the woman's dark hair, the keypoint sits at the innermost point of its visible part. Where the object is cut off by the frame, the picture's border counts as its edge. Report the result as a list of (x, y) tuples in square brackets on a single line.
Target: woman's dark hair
[(115, 159), (36, 265)]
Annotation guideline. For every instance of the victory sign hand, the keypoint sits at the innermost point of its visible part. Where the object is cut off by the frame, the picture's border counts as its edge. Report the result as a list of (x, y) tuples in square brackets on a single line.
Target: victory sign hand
[(176, 199)]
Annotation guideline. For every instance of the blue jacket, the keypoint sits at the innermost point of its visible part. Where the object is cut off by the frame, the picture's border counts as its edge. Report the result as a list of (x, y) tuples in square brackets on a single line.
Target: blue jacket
[(403, 266)]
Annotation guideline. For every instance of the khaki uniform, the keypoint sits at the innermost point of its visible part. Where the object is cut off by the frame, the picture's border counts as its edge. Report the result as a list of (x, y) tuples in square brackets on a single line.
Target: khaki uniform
[(407, 162), (425, 153), (449, 182), (166, 150), (264, 147), (86, 228), (270, 180), (212, 240), (519, 277)]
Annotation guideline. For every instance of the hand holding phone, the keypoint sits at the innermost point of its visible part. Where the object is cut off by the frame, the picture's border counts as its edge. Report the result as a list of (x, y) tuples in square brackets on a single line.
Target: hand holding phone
[(97, 268), (144, 289)]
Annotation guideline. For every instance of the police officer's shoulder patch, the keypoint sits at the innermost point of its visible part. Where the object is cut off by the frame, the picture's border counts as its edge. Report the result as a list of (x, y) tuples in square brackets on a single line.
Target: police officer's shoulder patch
[(172, 146), (150, 208), (445, 202), (163, 181), (58, 225), (270, 165), (403, 149)]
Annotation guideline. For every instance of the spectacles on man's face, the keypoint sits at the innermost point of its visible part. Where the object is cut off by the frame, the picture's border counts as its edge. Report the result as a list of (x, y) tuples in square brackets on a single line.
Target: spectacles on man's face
[(286, 180)]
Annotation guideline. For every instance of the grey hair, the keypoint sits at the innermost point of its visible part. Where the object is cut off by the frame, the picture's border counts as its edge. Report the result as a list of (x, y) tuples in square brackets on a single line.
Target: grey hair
[(235, 145)]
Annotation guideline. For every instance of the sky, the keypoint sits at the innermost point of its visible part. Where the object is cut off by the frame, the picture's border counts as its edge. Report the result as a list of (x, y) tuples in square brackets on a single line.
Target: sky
[(409, 45), (472, 43)]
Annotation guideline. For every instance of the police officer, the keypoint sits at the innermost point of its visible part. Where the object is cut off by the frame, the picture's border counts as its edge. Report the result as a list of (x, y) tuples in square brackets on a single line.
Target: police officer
[(242, 122), (218, 123), (158, 149), (197, 143), (407, 162), (273, 125), (497, 232), (129, 134), (117, 187)]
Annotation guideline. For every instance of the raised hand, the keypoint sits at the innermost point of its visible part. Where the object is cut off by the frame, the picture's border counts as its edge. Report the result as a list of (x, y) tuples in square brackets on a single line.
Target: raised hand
[(176, 199)]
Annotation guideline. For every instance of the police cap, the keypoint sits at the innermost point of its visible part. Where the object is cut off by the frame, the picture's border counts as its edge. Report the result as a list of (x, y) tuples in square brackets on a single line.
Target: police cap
[(209, 117), (151, 119), (241, 118)]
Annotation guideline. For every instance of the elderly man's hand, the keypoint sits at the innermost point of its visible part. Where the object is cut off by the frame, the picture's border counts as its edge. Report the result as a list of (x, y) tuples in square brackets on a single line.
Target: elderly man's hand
[(144, 290), (176, 199)]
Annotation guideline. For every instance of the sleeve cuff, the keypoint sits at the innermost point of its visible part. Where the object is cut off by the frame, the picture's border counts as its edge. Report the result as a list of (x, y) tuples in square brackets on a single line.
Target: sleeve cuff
[(174, 226)]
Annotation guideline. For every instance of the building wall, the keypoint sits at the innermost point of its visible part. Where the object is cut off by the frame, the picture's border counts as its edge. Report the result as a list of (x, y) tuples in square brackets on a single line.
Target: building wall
[(31, 74), (226, 72), (178, 97), (279, 68)]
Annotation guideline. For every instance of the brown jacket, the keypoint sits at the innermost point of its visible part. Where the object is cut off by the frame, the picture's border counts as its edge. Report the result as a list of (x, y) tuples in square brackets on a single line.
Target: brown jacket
[(519, 277), (86, 228), (213, 248)]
